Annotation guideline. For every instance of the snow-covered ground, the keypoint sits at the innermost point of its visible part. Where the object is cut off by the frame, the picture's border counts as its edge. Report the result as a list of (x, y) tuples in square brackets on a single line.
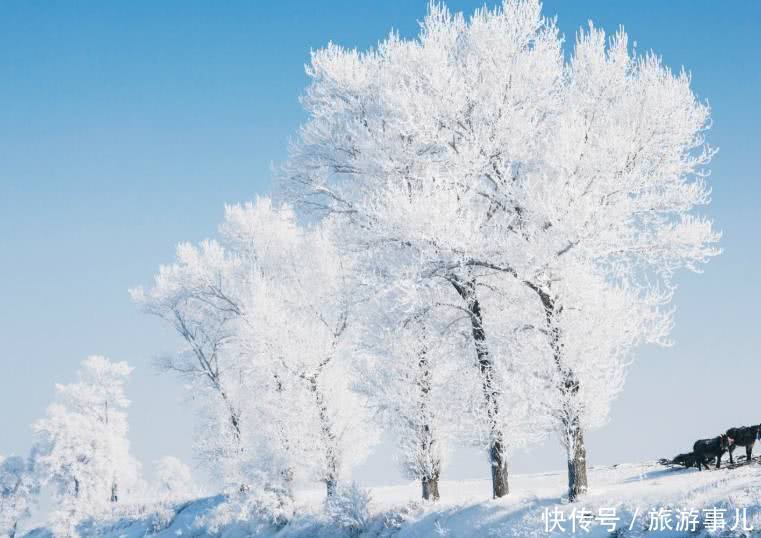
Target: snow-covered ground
[(691, 503)]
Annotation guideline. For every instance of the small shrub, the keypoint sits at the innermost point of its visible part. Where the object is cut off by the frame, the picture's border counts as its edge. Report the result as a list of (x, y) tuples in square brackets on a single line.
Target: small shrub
[(349, 508)]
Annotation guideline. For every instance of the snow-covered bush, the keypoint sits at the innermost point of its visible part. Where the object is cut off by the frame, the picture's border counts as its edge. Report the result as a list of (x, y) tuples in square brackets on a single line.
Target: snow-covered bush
[(349, 508), (161, 517), (254, 511)]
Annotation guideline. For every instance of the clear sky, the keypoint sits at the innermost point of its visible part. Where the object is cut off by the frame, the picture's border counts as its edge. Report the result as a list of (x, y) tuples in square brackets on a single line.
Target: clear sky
[(125, 127)]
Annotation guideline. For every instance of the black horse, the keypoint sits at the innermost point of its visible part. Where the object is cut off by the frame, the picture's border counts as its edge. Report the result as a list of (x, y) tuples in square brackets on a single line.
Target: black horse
[(707, 449), (686, 460), (743, 436)]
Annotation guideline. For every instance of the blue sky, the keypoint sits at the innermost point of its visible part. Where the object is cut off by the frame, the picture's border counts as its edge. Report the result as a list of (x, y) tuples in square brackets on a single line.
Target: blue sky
[(125, 127)]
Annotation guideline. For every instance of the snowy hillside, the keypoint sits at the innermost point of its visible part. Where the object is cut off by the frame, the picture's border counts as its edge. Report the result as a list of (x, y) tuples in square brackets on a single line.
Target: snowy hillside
[(708, 502)]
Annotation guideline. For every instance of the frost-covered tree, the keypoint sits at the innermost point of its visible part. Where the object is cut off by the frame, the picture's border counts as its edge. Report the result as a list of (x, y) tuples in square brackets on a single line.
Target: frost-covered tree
[(412, 372), (479, 150), (404, 384), (18, 488), (82, 448), (207, 295), (624, 173), (194, 296), (293, 336), (595, 336), (421, 440), (387, 149), (174, 480), (264, 312), (262, 238)]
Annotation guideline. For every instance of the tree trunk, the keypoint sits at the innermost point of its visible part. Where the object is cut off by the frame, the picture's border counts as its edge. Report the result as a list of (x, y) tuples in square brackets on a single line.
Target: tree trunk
[(577, 463), (497, 450), (569, 389), (287, 476), (499, 476), (328, 439), (430, 488), (234, 420), (235, 425), (286, 473), (430, 482)]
